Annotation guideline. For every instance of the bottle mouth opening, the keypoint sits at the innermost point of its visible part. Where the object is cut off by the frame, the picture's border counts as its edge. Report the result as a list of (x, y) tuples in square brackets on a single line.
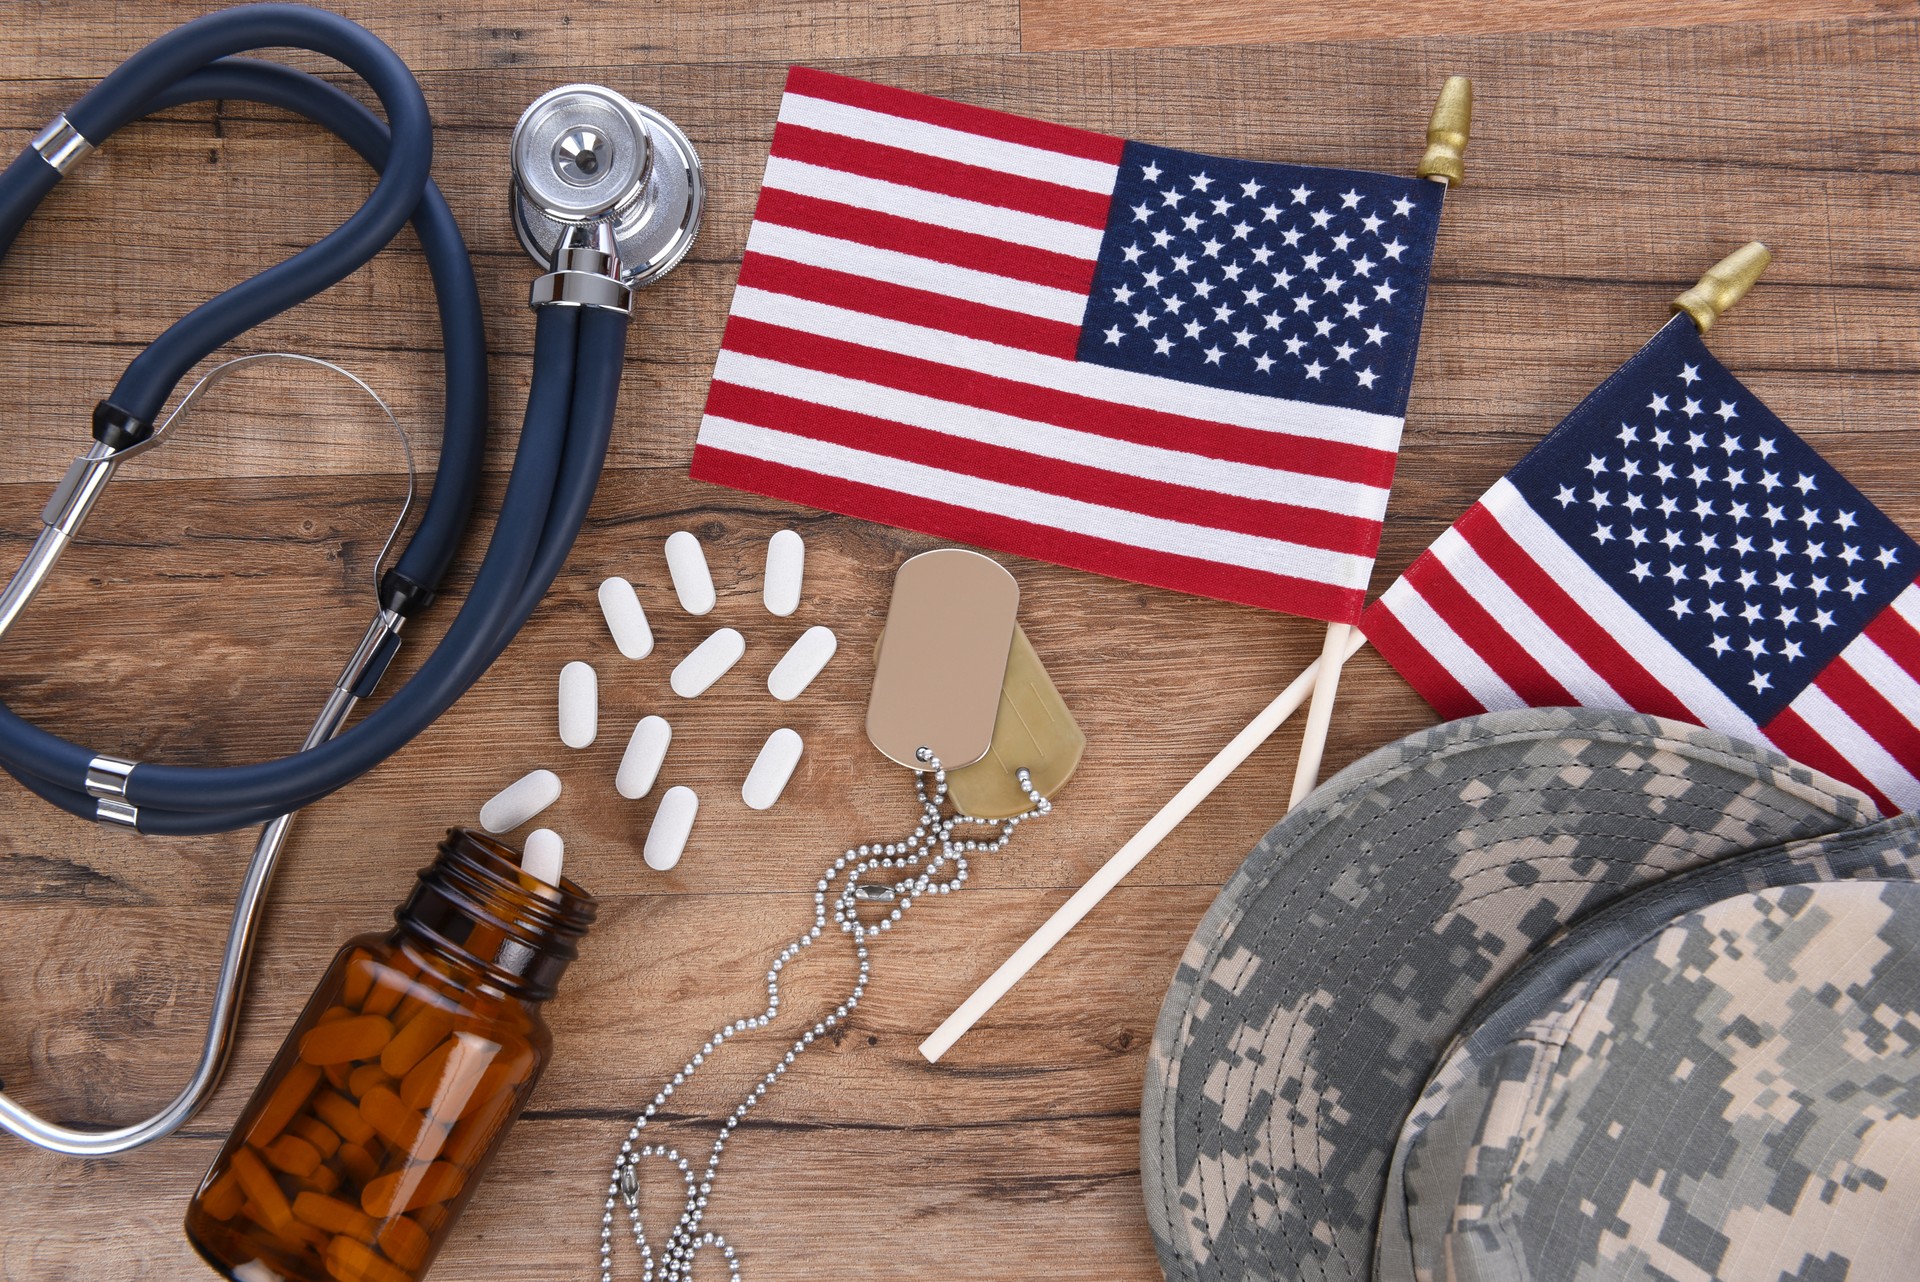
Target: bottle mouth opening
[(474, 904), (492, 867)]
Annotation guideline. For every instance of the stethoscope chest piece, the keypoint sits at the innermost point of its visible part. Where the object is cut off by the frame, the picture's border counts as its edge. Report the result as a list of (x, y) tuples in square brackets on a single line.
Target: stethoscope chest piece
[(583, 154)]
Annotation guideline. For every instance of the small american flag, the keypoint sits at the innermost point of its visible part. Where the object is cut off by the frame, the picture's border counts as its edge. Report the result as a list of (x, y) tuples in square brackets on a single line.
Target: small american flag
[(1176, 369), (1674, 548)]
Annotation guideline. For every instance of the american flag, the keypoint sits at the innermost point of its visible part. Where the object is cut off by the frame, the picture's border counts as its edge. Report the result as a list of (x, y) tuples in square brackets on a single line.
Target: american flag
[(1171, 368), (1674, 548)]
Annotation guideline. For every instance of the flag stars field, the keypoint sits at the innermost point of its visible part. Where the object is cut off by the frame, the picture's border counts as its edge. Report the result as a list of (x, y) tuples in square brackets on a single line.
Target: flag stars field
[(1318, 272)]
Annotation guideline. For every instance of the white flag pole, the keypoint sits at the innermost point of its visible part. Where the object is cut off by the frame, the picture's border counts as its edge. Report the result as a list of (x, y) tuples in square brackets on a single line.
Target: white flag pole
[(1447, 133), (1444, 163), (1184, 802)]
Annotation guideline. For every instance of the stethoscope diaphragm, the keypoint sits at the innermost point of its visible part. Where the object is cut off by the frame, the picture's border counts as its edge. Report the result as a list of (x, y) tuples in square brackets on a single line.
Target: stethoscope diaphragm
[(582, 155)]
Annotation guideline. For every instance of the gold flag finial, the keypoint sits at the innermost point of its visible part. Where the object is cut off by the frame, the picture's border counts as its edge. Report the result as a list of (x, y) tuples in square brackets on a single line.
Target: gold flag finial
[(1725, 284), (1448, 132)]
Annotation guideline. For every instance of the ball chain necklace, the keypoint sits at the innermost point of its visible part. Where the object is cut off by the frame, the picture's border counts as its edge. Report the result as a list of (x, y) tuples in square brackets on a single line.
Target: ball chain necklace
[(932, 860)]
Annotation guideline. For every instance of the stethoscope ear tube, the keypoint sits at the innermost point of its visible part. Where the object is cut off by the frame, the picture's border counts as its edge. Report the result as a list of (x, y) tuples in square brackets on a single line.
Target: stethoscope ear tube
[(126, 94)]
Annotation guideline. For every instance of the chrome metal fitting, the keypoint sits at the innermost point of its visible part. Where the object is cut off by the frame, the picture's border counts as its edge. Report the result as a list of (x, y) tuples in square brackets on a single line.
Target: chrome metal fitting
[(584, 155), (61, 145), (107, 784), (586, 273)]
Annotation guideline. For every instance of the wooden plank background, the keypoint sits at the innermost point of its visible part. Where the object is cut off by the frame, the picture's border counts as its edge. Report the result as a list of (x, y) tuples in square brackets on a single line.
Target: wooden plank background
[(227, 574)]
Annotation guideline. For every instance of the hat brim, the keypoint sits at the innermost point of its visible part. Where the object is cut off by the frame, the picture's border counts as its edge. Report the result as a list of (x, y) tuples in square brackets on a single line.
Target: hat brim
[(1338, 963)]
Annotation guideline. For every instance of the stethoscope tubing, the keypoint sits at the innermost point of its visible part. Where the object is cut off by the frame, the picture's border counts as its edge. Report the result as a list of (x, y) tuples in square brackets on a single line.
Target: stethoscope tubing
[(577, 363)]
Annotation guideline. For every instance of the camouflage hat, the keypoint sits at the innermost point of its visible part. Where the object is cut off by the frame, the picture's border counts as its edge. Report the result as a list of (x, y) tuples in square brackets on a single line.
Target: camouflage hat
[(1555, 994)]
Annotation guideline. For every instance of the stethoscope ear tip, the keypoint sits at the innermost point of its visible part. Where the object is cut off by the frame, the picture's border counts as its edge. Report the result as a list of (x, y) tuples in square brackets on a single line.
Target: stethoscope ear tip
[(583, 154)]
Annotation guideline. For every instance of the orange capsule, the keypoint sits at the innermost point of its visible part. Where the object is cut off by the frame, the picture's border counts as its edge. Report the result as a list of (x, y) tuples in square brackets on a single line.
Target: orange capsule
[(224, 1197), (359, 979), (332, 1013), (287, 1097), (423, 1079), (410, 1132), (404, 1242), (476, 1129), (316, 1133), (324, 1180), (356, 1037), (411, 1187), (339, 1113), (292, 1154), (365, 1078), (451, 1076), (419, 1035), (337, 1075), (352, 1261), (334, 1216), (390, 984), (358, 1164), (504, 1073), (298, 1232), (262, 1190)]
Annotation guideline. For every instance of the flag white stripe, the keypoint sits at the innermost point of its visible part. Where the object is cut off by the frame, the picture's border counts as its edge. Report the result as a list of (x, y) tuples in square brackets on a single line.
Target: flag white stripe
[(1907, 605), (1561, 660), (1101, 382), (1609, 612), (1013, 225), (989, 427), (895, 268), (1881, 671), (1271, 556), (949, 144), (1437, 637), (1863, 752)]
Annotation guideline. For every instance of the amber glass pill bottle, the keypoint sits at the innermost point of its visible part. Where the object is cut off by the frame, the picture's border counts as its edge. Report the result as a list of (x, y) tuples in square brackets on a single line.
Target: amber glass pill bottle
[(417, 1051)]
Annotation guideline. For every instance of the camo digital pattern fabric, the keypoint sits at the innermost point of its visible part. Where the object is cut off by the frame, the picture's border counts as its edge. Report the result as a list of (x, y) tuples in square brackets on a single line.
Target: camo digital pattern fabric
[(1327, 979), (1734, 1094)]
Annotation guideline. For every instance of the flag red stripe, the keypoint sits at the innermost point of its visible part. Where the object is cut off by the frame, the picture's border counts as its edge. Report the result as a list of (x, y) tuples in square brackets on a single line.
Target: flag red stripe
[(1334, 460), (1430, 680), (912, 306), (1022, 538), (937, 174), (1870, 710), (955, 115), (1184, 504), (1509, 659), (924, 240), (1898, 638), (1587, 636), (1790, 733)]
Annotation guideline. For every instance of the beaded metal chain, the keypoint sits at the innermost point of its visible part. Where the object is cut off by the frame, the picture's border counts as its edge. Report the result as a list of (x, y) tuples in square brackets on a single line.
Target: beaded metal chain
[(933, 842)]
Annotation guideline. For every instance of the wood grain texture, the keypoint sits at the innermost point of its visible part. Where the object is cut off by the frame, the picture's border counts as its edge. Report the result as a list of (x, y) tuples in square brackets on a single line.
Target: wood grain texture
[(225, 576), (1055, 25)]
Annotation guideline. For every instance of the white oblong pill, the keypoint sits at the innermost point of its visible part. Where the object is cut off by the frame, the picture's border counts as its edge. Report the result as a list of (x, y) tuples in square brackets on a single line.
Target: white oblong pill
[(671, 825), (543, 855), (625, 618), (708, 663), (801, 663), (688, 565), (640, 765), (520, 801), (579, 704), (771, 769), (786, 566)]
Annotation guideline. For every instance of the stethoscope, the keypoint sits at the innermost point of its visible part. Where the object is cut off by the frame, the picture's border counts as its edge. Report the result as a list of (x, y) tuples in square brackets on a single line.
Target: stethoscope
[(606, 194)]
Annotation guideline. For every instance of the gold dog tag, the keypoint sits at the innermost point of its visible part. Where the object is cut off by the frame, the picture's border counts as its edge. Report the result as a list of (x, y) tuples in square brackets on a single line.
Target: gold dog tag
[(943, 657), (1033, 730)]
